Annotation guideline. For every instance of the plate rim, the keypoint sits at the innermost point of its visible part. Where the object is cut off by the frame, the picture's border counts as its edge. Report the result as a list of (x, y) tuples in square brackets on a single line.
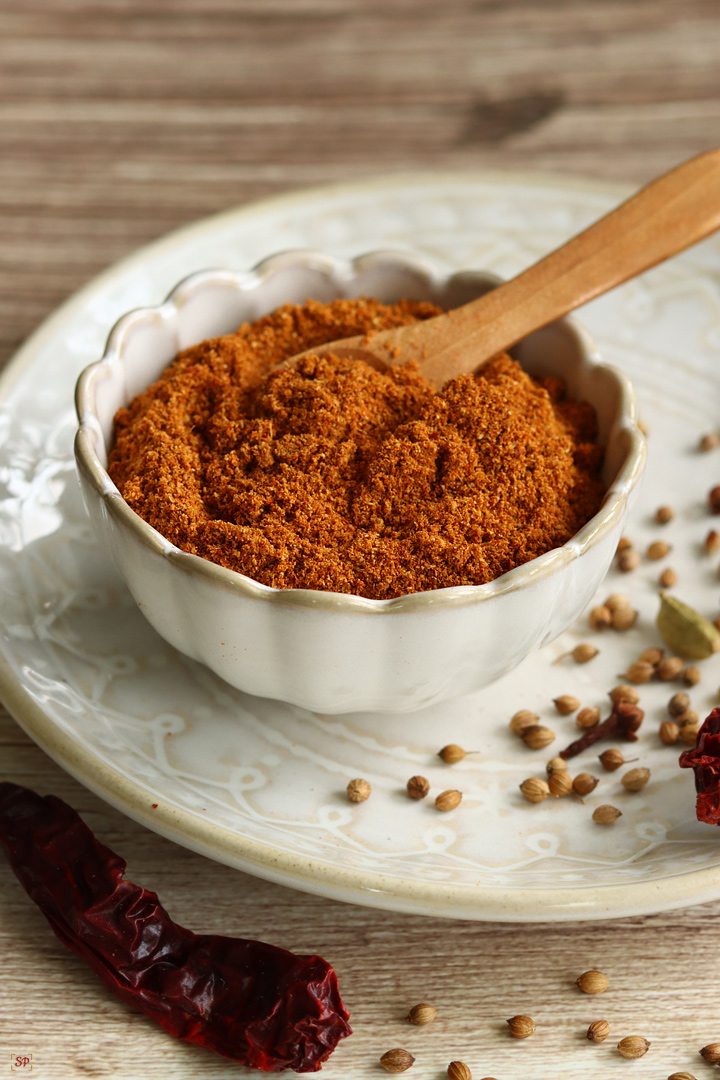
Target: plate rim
[(186, 827)]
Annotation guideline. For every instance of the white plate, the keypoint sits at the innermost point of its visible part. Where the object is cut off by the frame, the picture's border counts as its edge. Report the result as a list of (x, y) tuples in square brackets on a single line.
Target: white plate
[(260, 785)]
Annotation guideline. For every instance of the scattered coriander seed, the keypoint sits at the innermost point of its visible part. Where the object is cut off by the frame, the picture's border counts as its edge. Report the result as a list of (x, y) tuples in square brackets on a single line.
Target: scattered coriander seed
[(691, 675), (593, 982), (422, 1014), (600, 617), (521, 1027), (584, 652), (624, 693), (668, 578), (635, 779), (536, 790), (560, 783), (566, 704), (657, 550), (664, 514), (640, 672), (714, 500), (689, 734), (598, 1031), (606, 815), (458, 1070), (669, 668), (633, 1046), (616, 602), (712, 542), (522, 720), (687, 718), (588, 717), (709, 441), (448, 800), (624, 544), (623, 619), (681, 1076), (418, 787), (628, 560), (612, 759), (584, 783), (669, 732), (652, 655), (556, 764), (358, 790), (678, 704), (397, 1061), (452, 753), (538, 737), (711, 1053)]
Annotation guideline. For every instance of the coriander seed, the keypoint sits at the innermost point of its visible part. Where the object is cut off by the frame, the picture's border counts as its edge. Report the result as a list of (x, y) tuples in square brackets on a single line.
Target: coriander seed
[(668, 578), (652, 655), (600, 617), (714, 500), (606, 815), (612, 759), (664, 514), (624, 693), (420, 1015), (691, 675), (584, 783), (418, 787), (521, 1027), (681, 1076), (635, 779), (657, 550), (584, 652), (593, 982), (448, 800), (689, 734), (458, 1070), (669, 732), (522, 720), (598, 1031), (678, 704), (624, 619), (709, 441), (452, 753), (556, 764), (640, 672), (624, 544), (711, 1053), (669, 668), (560, 783), (397, 1061), (566, 704), (358, 790), (588, 717), (628, 560), (633, 1046), (616, 602), (535, 790), (538, 737)]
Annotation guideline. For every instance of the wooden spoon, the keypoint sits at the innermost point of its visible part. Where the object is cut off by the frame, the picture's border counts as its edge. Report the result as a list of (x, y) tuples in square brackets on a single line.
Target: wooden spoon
[(662, 219)]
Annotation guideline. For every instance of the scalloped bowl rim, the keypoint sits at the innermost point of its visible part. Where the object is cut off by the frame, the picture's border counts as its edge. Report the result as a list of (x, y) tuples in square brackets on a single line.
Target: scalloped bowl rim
[(89, 433)]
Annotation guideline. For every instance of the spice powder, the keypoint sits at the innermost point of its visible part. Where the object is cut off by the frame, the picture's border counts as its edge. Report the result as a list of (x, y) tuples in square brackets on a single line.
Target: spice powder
[(332, 475)]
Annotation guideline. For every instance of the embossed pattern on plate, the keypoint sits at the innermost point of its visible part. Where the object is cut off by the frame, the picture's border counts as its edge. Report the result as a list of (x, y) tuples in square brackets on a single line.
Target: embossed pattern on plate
[(261, 785)]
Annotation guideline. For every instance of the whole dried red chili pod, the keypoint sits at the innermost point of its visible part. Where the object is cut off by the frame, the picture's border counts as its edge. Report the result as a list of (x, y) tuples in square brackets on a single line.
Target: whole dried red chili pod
[(259, 1005), (704, 759)]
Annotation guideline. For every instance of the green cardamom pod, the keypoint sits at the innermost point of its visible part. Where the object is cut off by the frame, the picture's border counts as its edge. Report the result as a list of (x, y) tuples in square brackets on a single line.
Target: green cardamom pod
[(688, 633)]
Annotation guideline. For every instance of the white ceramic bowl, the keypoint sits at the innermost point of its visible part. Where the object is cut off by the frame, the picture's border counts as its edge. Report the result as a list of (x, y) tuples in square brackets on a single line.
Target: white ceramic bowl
[(328, 651)]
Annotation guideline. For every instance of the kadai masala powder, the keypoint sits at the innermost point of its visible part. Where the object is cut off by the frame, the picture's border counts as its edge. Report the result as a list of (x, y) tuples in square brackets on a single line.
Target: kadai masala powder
[(332, 475)]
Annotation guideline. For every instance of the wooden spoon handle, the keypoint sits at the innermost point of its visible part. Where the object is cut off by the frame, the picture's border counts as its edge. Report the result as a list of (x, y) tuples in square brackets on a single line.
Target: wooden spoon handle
[(662, 219)]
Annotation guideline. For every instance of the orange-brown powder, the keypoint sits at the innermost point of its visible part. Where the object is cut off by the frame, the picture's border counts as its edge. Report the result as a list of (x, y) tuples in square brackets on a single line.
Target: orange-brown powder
[(332, 475)]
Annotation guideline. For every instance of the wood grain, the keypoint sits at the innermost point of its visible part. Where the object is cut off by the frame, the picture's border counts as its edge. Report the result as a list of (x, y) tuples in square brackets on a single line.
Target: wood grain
[(122, 119)]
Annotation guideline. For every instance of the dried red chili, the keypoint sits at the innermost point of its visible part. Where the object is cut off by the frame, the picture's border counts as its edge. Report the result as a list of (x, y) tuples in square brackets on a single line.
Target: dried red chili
[(704, 758), (622, 723), (262, 1006)]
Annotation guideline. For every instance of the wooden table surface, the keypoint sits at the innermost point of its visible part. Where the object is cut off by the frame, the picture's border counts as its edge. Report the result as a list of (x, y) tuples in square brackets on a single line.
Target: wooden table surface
[(122, 119)]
